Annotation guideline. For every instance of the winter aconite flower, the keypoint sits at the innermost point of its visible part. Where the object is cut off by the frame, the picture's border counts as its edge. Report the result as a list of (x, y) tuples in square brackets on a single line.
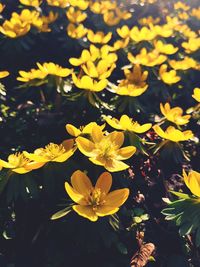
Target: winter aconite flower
[(33, 3), (99, 37), (84, 130), (173, 134), (19, 163), (163, 48), (174, 115), (105, 150), (192, 180), (95, 201), (168, 77), (58, 3), (185, 64), (53, 152), (127, 124), (134, 84)]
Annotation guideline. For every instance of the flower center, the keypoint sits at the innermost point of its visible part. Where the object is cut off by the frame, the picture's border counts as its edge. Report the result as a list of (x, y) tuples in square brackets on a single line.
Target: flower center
[(96, 198), (52, 151)]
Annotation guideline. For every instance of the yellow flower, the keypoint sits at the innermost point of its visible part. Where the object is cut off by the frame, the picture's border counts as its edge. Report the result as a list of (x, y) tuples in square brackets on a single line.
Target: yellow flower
[(149, 20), (173, 134), (184, 64), (87, 83), (181, 5), (58, 3), (93, 54), (124, 31), (196, 12), (134, 84), (95, 201), (76, 31), (27, 76), (192, 45), (104, 150), (85, 130), (150, 59), (192, 181), (29, 17), (102, 70), (185, 30), (75, 16), (174, 115), (19, 163), (144, 34), (82, 4), (1, 7), (183, 16), (127, 124), (99, 37), (102, 7), (4, 74), (163, 48), (50, 68), (168, 77), (161, 30), (113, 17), (34, 3), (196, 94), (119, 44), (53, 152), (14, 28)]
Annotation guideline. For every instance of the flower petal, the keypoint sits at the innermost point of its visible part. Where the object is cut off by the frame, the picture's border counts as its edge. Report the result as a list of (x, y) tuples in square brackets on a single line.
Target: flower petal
[(125, 152), (117, 198), (116, 166), (81, 182), (73, 194), (86, 212), (72, 130), (104, 182), (105, 210), (85, 146)]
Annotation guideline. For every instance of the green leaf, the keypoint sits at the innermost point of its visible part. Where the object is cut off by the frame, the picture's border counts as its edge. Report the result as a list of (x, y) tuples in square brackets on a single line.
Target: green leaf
[(180, 195), (61, 213)]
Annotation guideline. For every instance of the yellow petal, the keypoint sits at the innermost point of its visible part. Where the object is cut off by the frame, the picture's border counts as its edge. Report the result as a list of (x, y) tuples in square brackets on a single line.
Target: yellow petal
[(125, 152), (97, 134), (105, 210), (85, 146), (86, 212), (116, 166), (104, 182), (73, 194), (117, 138), (117, 198), (72, 130), (64, 156), (81, 183)]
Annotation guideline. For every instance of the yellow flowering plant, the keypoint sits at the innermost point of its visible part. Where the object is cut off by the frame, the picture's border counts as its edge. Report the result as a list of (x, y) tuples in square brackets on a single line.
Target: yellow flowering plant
[(91, 201)]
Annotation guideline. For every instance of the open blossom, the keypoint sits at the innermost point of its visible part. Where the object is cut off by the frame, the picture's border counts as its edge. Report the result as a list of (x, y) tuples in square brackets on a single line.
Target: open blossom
[(143, 34), (76, 31), (99, 37), (134, 84), (84, 130), (95, 201), (173, 134), (19, 163), (90, 84), (34, 3), (53, 152), (149, 59), (168, 77), (174, 115), (58, 3), (192, 180), (75, 16), (184, 64), (163, 48), (127, 124), (105, 150)]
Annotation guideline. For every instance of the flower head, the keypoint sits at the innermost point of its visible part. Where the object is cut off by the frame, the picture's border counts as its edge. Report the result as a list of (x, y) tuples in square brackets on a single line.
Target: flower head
[(127, 124), (34, 3), (168, 77), (53, 152), (84, 131), (192, 180), (134, 84), (95, 201), (173, 134), (104, 150), (75, 16), (76, 31), (163, 48), (99, 37), (19, 163), (184, 64), (88, 83), (174, 115)]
